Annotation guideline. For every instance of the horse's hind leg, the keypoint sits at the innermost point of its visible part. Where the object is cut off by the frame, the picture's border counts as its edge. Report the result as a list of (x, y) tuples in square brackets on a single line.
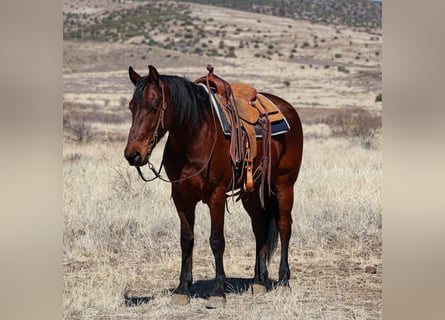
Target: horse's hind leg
[(186, 212), (260, 225), (285, 197)]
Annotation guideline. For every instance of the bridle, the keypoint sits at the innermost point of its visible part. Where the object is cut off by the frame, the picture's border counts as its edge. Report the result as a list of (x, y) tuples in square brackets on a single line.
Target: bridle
[(153, 141)]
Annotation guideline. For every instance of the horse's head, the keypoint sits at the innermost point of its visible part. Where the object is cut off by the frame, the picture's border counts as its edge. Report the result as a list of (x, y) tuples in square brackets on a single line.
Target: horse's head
[(148, 107)]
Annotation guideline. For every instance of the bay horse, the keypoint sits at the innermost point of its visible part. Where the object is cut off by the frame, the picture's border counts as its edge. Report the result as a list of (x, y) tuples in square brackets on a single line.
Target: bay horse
[(197, 162)]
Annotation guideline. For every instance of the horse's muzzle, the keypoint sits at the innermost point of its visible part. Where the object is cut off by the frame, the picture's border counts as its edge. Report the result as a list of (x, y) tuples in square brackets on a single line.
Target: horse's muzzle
[(135, 159)]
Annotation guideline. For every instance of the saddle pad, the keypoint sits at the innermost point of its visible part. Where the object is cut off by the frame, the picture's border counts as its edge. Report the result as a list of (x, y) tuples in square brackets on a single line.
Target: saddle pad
[(278, 127)]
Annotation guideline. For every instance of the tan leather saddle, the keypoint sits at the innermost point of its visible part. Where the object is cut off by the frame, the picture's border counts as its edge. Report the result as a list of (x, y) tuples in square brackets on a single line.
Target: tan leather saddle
[(244, 108)]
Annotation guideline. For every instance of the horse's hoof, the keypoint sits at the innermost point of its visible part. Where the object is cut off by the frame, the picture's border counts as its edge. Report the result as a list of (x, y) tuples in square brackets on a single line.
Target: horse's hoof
[(180, 299), (258, 289), (215, 302), (283, 290)]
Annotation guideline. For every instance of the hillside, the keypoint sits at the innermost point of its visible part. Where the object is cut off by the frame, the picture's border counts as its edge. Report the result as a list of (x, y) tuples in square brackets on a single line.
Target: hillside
[(353, 13), (176, 26), (310, 64)]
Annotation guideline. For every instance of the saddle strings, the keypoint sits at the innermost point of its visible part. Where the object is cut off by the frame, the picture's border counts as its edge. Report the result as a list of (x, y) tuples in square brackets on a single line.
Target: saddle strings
[(158, 172)]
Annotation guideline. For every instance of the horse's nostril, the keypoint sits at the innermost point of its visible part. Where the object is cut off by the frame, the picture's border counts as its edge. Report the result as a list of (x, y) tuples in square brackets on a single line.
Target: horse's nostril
[(134, 159)]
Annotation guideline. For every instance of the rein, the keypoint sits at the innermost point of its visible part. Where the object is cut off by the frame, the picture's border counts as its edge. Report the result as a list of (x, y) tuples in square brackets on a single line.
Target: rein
[(153, 141)]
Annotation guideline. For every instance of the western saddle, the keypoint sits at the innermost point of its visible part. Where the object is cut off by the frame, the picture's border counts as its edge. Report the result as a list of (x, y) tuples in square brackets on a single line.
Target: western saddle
[(244, 108)]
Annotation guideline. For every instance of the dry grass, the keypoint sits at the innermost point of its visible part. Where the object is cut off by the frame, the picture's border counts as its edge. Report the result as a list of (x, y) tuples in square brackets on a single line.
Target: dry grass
[(123, 235)]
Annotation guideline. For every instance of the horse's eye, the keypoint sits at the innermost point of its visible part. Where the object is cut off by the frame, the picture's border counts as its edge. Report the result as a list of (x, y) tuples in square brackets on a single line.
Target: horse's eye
[(154, 107)]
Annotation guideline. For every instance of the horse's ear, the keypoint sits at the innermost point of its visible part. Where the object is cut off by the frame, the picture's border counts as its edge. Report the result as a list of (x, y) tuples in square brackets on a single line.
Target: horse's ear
[(134, 76), (153, 75)]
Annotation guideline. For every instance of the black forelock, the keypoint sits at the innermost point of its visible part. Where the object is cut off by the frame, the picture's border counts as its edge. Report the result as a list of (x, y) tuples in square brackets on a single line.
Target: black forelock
[(139, 90)]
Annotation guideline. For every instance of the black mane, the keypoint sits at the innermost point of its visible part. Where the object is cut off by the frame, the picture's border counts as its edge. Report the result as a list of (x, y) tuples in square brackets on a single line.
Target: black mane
[(190, 101)]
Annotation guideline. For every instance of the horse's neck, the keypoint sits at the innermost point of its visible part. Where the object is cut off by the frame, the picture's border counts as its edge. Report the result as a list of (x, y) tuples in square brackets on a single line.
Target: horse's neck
[(191, 142)]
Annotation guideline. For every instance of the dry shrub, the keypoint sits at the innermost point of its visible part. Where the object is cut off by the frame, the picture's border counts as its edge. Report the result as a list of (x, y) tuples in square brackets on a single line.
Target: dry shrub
[(105, 117), (84, 123), (317, 131), (75, 127), (72, 157), (124, 182), (358, 125)]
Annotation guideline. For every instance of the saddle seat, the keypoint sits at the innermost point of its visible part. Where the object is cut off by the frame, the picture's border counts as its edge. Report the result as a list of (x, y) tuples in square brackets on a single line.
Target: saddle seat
[(253, 106)]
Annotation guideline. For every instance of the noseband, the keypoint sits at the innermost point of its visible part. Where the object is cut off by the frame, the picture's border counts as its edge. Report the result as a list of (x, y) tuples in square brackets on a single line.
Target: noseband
[(153, 141)]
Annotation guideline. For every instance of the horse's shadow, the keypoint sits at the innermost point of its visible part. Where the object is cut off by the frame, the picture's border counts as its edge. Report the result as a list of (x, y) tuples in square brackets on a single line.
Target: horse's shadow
[(202, 289)]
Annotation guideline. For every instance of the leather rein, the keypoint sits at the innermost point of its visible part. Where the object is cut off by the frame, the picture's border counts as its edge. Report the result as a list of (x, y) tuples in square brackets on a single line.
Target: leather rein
[(153, 141)]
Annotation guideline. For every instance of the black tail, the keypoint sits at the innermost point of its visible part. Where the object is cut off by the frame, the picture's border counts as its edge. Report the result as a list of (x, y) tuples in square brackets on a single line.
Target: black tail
[(271, 204)]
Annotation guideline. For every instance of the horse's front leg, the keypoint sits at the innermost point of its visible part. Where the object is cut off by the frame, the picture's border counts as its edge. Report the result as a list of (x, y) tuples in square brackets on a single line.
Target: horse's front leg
[(217, 243), (186, 212)]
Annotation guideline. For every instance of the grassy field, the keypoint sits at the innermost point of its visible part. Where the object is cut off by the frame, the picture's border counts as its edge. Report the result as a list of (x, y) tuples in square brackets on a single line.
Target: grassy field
[(121, 236)]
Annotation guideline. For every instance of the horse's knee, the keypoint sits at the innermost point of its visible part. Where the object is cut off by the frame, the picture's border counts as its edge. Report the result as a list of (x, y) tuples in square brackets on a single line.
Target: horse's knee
[(187, 241), (217, 244)]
